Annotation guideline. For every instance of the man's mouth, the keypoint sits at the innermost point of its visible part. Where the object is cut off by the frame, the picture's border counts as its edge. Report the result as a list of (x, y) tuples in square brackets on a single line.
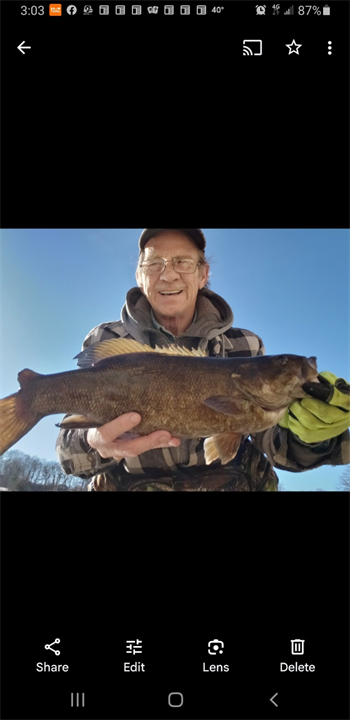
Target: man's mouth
[(171, 292)]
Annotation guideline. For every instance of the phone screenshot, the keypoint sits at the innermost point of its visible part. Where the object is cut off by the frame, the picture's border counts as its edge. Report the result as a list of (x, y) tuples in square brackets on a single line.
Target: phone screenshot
[(175, 402)]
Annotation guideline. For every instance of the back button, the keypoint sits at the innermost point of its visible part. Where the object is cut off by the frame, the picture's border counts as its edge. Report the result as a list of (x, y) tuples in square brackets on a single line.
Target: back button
[(22, 47)]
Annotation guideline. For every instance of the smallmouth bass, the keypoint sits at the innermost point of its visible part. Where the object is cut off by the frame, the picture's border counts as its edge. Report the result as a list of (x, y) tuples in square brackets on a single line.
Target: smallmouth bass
[(174, 389)]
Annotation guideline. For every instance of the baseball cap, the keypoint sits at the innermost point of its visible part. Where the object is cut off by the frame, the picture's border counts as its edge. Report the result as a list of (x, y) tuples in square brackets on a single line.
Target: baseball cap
[(196, 235)]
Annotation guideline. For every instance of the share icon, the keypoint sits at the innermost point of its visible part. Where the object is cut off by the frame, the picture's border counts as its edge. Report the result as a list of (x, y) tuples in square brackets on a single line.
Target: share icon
[(49, 647)]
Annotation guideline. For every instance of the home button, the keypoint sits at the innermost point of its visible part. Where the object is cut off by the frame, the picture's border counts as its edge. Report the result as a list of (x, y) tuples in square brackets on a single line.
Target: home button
[(175, 699)]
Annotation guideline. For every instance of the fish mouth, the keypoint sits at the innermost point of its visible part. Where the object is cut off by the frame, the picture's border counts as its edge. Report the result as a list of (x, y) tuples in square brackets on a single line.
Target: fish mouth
[(309, 369)]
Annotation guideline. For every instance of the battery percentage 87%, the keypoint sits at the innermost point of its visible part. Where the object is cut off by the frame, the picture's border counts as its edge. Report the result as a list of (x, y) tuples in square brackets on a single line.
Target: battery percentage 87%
[(307, 9)]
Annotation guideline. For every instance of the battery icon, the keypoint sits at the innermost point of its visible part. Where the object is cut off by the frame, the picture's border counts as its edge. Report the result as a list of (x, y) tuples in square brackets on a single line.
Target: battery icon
[(326, 10)]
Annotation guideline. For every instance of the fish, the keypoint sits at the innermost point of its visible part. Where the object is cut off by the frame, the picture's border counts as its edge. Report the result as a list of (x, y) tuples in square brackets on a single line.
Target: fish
[(183, 391)]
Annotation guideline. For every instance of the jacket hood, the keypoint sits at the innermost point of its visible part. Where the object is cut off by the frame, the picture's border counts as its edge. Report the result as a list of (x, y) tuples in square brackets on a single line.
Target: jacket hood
[(214, 317)]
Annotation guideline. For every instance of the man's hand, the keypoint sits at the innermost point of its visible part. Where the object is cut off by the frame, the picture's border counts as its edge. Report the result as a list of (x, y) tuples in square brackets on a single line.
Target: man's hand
[(314, 420), (116, 440)]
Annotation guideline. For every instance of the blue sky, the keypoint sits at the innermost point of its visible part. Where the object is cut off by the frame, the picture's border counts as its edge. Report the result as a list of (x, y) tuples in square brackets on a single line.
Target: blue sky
[(291, 287)]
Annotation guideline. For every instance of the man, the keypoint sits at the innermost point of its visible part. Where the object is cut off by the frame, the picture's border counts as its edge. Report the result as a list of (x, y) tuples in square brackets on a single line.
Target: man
[(172, 304)]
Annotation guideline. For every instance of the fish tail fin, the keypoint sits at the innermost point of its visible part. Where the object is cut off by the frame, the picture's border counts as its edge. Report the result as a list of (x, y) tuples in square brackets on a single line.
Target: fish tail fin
[(16, 419)]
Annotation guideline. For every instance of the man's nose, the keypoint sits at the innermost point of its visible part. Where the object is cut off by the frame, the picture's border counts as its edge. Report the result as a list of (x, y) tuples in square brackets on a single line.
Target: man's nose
[(168, 270)]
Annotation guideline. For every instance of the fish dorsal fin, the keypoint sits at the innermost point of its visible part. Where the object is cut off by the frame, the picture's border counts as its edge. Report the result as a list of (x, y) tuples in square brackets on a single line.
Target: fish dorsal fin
[(26, 376), (178, 350), (121, 346)]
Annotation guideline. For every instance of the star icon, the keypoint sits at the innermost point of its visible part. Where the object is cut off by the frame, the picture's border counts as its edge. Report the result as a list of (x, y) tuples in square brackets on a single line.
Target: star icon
[(293, 48)]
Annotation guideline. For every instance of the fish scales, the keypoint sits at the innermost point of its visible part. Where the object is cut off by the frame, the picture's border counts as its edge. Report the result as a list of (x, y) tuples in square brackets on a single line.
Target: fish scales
[(168, 392), (215, 398)]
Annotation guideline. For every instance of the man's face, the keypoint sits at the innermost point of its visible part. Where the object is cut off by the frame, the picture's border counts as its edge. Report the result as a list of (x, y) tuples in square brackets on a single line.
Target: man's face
[(167, 245)]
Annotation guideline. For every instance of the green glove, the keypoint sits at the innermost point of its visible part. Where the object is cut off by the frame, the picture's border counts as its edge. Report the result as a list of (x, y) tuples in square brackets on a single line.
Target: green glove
[(313, 419)]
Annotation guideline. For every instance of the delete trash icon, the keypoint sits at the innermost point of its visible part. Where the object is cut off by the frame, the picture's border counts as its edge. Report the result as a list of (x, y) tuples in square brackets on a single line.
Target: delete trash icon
[(297, 647)]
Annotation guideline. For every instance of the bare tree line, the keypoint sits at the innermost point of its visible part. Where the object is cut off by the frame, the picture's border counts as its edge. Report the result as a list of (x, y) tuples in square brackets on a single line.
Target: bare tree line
[(344, 480), (21, 472)]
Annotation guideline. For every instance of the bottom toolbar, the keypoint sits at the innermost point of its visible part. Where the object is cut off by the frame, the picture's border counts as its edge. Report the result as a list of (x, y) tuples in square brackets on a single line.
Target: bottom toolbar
[(154, 676)]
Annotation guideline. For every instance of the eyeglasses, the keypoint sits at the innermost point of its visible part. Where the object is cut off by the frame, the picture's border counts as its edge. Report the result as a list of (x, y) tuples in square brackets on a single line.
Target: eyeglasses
[(180, 265)]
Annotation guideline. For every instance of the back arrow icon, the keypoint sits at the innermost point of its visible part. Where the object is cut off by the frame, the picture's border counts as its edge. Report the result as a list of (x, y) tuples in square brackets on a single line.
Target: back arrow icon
[(272, 699), (23, 47)]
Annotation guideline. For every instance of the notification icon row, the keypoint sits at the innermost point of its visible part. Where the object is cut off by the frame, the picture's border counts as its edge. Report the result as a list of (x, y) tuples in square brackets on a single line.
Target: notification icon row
[(56, 10)]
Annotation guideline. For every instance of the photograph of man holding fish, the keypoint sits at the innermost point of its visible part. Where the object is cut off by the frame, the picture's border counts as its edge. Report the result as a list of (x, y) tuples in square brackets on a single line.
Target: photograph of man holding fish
[(175, 397)]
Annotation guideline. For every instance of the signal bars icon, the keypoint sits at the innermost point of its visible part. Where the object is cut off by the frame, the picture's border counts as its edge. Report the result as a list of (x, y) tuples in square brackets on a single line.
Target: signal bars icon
[(290, 11)]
